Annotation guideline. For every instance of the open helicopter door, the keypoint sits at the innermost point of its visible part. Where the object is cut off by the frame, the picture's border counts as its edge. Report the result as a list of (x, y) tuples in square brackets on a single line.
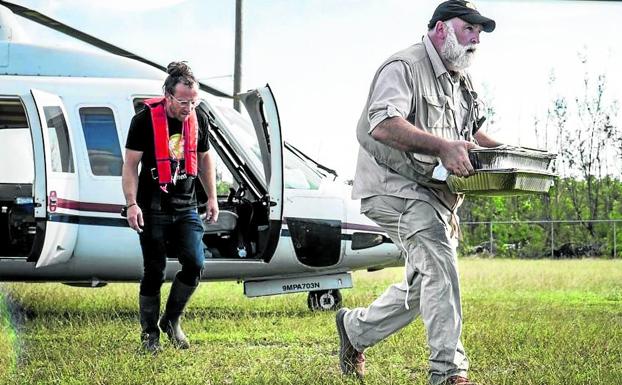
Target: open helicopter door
[(262, 109), (61, 188)]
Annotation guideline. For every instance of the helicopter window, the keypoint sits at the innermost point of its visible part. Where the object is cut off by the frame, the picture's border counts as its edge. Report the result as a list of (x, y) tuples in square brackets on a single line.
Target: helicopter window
[(102, 143), (60, 146), (243, 131), (297, 174), (12, 114), (138, 103), (224, 179)]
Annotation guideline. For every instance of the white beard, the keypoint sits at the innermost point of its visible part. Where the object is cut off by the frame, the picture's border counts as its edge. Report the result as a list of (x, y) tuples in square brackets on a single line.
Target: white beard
[(457, 56)]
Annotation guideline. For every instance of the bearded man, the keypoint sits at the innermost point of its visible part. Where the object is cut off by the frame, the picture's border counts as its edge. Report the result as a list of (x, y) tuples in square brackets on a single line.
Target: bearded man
[(421, 114)]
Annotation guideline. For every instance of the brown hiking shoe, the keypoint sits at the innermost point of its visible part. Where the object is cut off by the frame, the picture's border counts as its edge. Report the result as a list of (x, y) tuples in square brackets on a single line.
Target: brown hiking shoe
[(458, 380), (350, 360)]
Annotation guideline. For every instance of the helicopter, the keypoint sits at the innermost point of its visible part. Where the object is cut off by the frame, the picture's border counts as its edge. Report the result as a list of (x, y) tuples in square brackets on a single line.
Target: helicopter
[(286, 224)]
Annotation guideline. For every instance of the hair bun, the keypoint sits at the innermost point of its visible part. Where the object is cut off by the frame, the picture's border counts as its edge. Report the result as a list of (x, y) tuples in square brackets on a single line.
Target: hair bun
[(179, 69), (178, 72)]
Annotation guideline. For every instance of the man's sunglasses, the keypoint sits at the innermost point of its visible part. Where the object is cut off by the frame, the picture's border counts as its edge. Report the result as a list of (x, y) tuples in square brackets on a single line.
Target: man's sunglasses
[(187, 103)]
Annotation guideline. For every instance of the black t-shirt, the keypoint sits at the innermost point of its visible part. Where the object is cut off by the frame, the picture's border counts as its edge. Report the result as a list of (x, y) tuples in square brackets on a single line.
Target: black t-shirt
[(181, 195)]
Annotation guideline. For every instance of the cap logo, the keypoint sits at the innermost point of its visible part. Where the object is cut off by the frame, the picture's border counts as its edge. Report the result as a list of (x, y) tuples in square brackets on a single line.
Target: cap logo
[(470, 5)]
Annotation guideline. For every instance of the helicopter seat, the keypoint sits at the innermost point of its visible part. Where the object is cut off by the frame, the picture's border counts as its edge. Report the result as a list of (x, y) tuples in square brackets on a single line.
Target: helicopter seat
[(227, 220)]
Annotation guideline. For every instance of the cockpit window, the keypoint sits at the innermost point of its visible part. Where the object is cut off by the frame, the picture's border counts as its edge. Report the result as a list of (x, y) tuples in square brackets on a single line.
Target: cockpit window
[(297, 173), (243, 131)]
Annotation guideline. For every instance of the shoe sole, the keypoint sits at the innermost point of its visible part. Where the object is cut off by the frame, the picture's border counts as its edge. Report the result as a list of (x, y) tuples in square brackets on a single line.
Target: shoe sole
[(151, 350)]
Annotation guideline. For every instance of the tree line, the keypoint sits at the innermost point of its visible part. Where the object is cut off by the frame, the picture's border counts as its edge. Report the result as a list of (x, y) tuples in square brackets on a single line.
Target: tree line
[(584, 132), (568, 200)]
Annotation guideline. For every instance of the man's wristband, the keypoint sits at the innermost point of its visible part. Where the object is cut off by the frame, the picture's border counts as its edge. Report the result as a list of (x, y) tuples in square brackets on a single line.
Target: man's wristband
[(124, 209)]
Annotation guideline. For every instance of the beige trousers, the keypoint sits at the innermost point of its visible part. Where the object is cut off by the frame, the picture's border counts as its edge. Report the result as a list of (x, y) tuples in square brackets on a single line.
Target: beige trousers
[(431, 286)]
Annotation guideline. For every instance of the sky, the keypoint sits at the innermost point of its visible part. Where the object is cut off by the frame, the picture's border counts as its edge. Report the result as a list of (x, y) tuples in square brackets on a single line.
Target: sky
[(319, 56)]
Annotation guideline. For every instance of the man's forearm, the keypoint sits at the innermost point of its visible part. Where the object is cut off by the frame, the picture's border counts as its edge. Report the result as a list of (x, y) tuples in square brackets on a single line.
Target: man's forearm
[(398, 133), (129, 182)]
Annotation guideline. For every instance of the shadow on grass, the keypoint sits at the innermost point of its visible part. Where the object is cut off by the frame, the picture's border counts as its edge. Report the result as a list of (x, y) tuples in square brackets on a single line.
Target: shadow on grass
[(21, 313)]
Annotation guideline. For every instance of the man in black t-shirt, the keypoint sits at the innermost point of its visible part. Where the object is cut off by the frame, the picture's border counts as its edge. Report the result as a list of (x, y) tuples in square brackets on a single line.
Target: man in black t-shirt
[(169, 138)]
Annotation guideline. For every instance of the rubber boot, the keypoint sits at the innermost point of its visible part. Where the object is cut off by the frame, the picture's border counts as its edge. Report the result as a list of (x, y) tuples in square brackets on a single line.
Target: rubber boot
[(170, 321), (149, 313)]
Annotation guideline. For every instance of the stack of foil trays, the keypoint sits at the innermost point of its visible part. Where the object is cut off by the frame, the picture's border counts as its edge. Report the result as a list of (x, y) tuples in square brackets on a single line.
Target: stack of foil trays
[(506, 170)]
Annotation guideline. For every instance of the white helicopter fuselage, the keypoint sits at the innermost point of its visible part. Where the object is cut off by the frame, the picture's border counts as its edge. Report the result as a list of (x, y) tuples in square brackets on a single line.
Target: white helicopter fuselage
[(60, 193)]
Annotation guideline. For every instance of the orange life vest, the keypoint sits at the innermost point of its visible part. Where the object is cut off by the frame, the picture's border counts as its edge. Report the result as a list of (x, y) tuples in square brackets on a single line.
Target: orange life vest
[(161, 141)]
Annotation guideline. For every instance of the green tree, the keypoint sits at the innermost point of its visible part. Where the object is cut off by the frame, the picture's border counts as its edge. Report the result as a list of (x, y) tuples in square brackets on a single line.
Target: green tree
[(583, 131)]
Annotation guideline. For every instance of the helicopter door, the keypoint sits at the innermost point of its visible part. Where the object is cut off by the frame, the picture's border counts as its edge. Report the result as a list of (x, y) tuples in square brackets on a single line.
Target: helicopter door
[(61, 229), (262, 109)]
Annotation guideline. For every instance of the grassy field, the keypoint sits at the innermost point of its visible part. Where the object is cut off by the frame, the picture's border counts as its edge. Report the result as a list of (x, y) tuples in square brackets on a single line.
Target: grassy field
[(526, 322)]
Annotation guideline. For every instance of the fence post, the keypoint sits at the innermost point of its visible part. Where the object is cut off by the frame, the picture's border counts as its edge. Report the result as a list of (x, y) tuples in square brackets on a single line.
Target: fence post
[(552, 240), (615, 243), (491, 240)]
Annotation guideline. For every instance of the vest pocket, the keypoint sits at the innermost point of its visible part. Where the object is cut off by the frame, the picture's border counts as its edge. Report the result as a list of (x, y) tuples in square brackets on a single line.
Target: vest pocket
[(424, 164), (438, 112)]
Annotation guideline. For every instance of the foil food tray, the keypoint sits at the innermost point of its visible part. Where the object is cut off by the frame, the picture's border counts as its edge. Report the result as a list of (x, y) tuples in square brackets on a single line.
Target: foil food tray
[(502, 182), (508, 157)]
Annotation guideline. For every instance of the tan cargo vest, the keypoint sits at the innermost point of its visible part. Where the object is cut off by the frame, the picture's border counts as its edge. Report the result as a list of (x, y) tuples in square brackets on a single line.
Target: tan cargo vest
[(432, 111)]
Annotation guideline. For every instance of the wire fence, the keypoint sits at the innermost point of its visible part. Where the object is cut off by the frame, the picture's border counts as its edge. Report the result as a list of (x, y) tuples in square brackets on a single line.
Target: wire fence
[(543, 238)]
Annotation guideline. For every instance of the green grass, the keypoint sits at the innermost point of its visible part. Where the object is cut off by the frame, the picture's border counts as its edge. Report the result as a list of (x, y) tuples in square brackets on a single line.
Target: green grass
[(527, 322), (8, 342)]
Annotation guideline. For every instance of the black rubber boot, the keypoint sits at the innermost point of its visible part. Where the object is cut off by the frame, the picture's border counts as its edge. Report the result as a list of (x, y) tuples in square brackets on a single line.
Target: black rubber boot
[(149, 313), (170, 323)]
